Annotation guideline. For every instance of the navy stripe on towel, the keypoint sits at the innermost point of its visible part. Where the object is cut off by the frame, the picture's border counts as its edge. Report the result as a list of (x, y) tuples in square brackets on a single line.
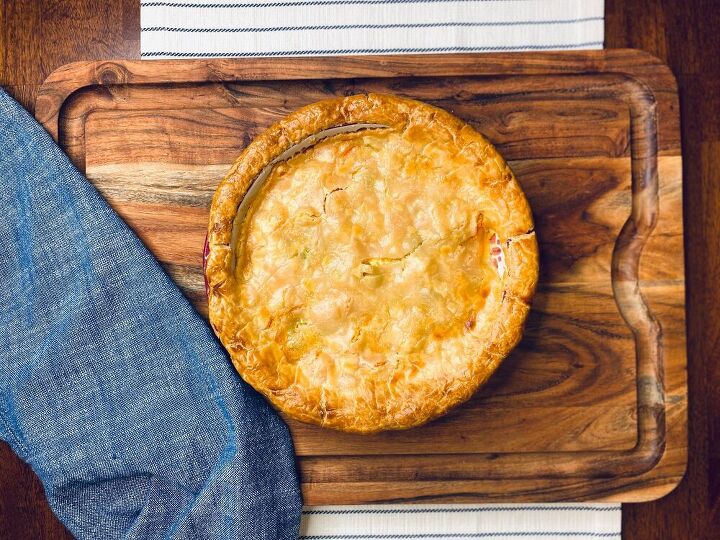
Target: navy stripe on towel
[(534, 508), (470, 536), (368, 26), (306, 3), (253, 54)]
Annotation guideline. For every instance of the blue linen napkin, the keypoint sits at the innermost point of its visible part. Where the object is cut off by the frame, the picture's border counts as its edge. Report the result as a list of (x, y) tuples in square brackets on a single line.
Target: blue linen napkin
[(112, 387)]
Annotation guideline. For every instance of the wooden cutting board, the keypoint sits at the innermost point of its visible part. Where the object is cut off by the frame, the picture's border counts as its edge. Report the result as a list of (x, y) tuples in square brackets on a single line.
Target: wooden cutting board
[(592, 405)]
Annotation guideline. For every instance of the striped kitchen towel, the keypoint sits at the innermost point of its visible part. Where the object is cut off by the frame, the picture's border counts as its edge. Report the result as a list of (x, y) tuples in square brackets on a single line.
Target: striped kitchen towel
[(253, 28), (470, 522), (250, 28)]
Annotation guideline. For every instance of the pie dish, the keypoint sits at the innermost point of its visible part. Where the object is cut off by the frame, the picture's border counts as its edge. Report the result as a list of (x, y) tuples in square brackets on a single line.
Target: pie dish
[(370, 261)]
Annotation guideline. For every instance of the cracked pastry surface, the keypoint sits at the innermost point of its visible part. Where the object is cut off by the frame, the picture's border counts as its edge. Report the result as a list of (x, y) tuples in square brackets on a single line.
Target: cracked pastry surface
[(377, 278)]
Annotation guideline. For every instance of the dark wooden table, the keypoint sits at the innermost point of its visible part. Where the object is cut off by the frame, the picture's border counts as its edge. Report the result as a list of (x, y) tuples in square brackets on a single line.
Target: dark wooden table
[(37, 36)]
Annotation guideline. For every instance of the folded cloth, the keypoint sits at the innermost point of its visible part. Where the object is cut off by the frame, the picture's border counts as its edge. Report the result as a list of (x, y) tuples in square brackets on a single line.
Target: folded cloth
[(112, 387)]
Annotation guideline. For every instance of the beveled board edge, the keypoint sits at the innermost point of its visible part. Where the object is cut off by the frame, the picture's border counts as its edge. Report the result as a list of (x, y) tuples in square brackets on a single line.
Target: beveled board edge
[(647, 80)]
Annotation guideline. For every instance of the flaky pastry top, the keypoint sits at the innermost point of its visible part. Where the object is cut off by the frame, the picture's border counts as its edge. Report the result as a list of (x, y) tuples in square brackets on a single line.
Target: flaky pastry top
[(376, 278)]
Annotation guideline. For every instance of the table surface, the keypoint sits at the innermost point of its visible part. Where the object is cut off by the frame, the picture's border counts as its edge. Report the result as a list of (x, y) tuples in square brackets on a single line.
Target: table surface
[(40, 35)]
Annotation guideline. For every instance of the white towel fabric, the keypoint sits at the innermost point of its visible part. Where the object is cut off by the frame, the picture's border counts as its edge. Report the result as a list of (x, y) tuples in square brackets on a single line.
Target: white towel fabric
[(251, 28), (471, 522)]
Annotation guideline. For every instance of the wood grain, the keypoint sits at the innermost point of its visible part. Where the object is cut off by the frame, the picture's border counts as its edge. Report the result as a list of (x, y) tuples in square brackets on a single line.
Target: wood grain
[(580, 127), (590, 136), (683, 34)]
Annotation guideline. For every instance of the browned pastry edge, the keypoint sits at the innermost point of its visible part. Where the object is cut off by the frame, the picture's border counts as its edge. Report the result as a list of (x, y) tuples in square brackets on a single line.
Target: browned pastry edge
[(517, 231)]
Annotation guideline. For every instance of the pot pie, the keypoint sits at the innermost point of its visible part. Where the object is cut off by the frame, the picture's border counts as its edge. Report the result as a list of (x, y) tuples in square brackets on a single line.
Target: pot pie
[(370, 261)]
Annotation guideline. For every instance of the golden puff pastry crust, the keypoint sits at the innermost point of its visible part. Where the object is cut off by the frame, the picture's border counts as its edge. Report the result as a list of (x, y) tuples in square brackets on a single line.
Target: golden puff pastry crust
[(376, 278)]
